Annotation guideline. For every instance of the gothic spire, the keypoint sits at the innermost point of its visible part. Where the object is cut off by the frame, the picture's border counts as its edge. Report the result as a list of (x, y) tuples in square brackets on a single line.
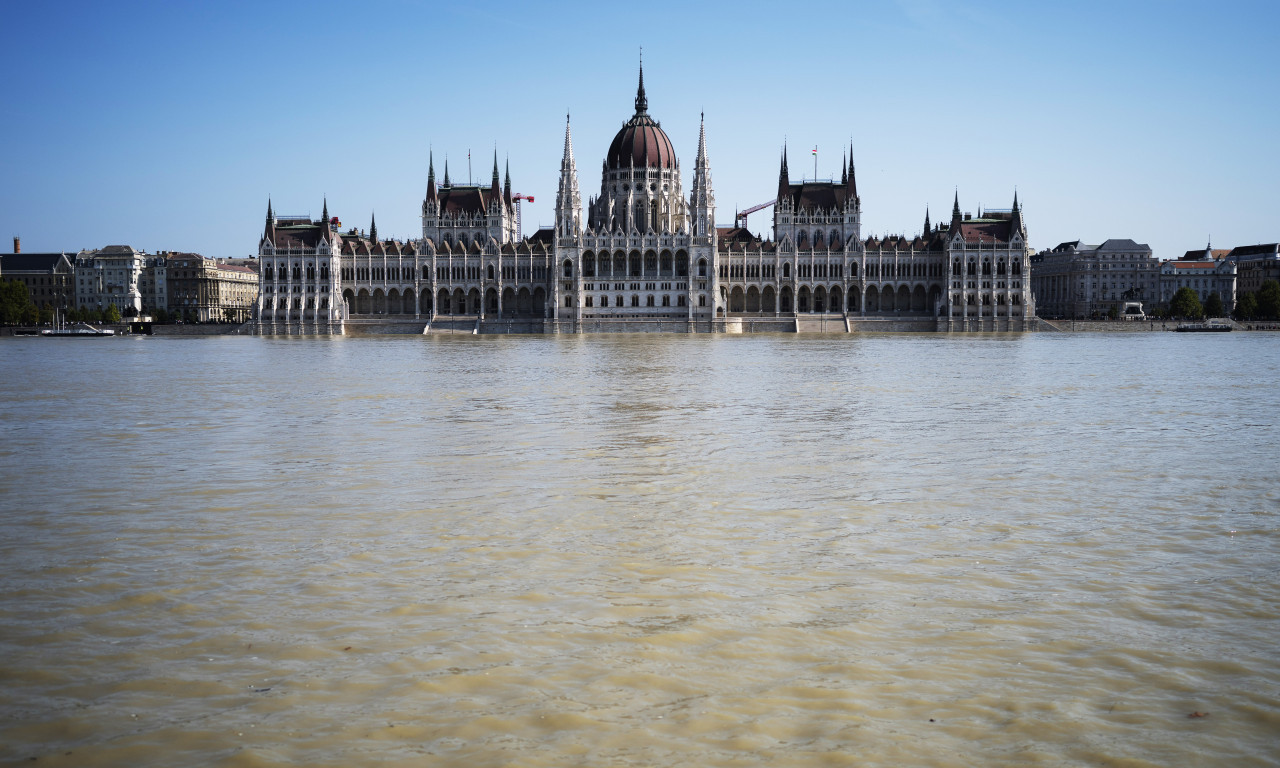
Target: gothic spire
[(702, 138), (373, 228), (642, 103), (324, 215), (783, 178), (702, 200), (852, 183), (568, 200), (844, 169), (955, 209), (446, 170), (271, 220), (431, 177), (926, 221), (506, 185)]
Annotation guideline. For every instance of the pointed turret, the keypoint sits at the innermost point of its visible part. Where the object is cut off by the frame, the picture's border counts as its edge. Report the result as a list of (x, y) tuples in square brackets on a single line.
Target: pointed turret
[(1016, 217), (784, 180), (702, 199), (431, 177), (955, 210), (446, 171), (852, 183), (844, 170), (506, 185), (568, 200), (324, 214), (373, 228), (271, 221), (642, 103), (495, 187), (926, 221)]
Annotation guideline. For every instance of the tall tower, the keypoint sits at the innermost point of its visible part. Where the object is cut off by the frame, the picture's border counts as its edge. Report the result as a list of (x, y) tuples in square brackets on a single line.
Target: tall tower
[(702, 199), (568, 199)]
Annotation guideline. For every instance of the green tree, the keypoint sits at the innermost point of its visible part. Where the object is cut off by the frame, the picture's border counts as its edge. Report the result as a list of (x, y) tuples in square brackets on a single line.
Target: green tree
[(1246, 306), (15, 300), (1269, 300), (1113, 313), (1213, 306), (46, 315), (160, 316), (1186, 304), (111, 315)]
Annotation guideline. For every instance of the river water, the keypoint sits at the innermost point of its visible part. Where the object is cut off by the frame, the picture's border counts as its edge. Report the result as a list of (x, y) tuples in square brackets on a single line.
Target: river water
[(1041, 549)]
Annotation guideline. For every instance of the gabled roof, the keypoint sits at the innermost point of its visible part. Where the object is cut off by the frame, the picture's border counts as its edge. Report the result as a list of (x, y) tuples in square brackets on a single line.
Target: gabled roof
[(811, 195), (735, 235), (463, 199), (1254, 250), (297, 235), (32, 262), (546, 236), (986, 230)]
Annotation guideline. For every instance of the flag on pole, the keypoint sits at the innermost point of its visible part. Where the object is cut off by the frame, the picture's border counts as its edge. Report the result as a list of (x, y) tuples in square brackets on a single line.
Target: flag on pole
[(815, 151)]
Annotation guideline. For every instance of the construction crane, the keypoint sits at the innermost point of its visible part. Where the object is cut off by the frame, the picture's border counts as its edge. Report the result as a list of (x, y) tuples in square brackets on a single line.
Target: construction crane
[(519, 229), (741, 219)]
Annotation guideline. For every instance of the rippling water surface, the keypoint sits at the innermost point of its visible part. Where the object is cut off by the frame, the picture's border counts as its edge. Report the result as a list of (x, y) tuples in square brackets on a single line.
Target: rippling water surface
[(645, 551)]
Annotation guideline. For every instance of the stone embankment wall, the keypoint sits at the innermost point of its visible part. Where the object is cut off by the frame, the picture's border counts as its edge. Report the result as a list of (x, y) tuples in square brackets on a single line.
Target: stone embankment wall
[(213, 329), (1123, 326)]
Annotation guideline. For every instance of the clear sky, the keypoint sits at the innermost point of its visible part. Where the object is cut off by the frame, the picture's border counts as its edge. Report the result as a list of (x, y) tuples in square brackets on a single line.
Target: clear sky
[(167, 125)]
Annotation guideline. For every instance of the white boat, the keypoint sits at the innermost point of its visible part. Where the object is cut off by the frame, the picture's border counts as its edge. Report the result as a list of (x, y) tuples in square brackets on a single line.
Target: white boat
[(79, 330)]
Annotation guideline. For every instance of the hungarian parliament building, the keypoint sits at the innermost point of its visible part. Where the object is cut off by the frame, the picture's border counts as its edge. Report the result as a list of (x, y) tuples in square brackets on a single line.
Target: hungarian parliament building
[(646, 257)]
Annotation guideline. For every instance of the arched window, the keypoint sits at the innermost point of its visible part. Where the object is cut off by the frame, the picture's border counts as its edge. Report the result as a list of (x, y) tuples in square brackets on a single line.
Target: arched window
[(986, 267), (568, 268), (786, 269), (702, 267), (490, 273)]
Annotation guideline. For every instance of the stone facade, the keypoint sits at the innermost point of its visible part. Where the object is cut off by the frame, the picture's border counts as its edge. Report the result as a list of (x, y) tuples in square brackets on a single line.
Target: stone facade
[(210, 290), (644, 257), (1078, 281), (1205, 272), (1255, 264), (49, 277), (111, 275)]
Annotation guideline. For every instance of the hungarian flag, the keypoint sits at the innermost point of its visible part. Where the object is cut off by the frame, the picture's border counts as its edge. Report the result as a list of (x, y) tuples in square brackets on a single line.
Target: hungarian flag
[(815, 151)]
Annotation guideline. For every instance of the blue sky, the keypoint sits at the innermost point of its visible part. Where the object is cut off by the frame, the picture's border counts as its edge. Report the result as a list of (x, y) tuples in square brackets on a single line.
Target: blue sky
[(167, 125)]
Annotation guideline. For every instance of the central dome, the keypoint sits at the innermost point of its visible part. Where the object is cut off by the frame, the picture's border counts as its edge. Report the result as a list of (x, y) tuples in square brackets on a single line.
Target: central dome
[(641, 142)]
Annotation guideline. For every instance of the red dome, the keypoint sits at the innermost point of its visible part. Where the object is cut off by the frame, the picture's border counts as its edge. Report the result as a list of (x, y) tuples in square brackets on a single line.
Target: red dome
[(641, 143)]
